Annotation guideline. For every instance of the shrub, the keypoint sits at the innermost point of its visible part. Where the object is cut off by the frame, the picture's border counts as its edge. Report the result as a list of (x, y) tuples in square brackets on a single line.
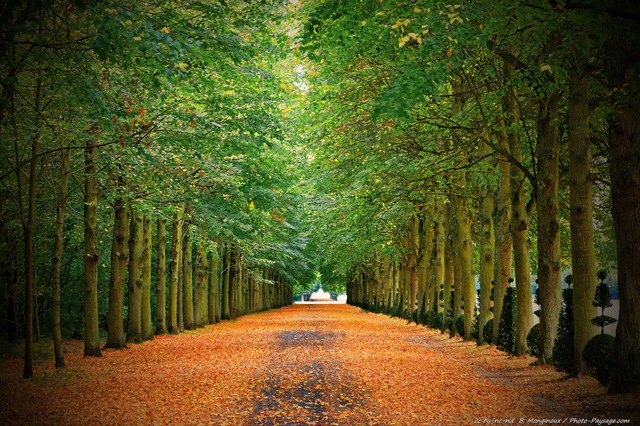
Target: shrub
[(602, 300), (533, 340), (487, 331), (460, 325), (599, 356), (563, 354), (428, 318), (438, 320), (475, 327), (506, 331)]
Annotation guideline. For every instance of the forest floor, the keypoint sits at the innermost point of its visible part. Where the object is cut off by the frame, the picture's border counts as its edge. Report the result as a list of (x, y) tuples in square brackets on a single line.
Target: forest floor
[(303, 365)]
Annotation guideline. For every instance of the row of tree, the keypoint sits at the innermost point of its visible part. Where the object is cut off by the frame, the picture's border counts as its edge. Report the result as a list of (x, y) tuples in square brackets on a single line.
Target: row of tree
[(118, 116), (484, 139)]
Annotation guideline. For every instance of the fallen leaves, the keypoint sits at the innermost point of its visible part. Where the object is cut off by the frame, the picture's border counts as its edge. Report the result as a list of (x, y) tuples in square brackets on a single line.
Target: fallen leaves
[(303, 364)]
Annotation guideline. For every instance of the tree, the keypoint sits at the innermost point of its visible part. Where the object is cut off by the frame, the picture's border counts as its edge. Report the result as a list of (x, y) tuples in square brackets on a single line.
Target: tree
[(91, 253), (622, 70), (136, 279), (161, 289)]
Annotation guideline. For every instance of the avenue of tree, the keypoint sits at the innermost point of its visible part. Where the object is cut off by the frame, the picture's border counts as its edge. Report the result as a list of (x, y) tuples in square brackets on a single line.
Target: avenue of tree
[(167, 165)]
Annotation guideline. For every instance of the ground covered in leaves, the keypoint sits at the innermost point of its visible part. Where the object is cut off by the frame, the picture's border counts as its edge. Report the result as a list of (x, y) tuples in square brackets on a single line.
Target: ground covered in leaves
[(305, 365)]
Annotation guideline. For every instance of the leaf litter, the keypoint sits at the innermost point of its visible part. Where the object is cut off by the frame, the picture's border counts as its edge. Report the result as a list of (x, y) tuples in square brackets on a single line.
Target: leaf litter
[(303, 365)]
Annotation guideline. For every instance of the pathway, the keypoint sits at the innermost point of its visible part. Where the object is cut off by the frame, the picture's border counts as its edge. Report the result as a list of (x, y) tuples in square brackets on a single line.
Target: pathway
[(303, 365)]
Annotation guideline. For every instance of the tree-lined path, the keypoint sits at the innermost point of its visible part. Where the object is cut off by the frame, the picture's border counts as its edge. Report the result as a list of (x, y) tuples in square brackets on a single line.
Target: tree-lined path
[(302, 364), (466, 173)]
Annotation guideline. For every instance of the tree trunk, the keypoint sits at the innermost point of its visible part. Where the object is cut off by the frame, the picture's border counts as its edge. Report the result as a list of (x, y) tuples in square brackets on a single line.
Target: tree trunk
[(136, 263), (226, 283), (117, 278), (581, 213), (187, 271), (439, 254), (503, 240), (161, 289), (467, 284), (214, 288), (175, 266), (202, 283), (91, 253), (146, 324), (458, 263), (520, 218), (58, 245), (233, 285), (521, 250), (28, 227), (548, 226), (487, 256), (412, 263), (449, 269), (426, 263), (623, 73)]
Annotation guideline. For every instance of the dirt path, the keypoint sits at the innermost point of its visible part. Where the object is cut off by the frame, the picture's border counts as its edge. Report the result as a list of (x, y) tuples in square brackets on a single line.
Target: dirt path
[(305, 365)]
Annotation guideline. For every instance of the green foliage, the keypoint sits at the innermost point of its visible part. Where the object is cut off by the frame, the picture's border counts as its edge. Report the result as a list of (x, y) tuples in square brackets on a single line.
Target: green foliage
[(459, 324), (438, 321), (475, 327), (533, 340), (506, 331), (602, 300), (599, 357), (487, 331), (563, 353)]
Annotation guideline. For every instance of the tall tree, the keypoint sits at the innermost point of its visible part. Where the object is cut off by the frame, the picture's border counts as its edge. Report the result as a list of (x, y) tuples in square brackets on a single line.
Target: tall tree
[(623, 72), (175, 267), (581, 207), (161, 276), (117, 279), (91, 253), (135, 283), (56, 259), (146, 325)]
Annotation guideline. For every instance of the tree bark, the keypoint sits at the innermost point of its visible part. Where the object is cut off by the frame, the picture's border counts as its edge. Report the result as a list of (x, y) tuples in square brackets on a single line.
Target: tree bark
[(58, 246), (214, 288), (467, 284), (487, 253), (226, 283), (117, 278), (202, 284), (28, 227), (502, 227), (161, 289), (623, 73), (449, 268), (175, 266), (520, 219), (146, 323), (91, 253), (439, 254), (187, 271), (548, 181), (136, 262)]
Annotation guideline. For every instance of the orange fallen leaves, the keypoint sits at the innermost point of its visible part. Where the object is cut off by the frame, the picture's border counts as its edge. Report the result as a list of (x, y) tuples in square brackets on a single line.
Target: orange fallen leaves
[(303, 364)]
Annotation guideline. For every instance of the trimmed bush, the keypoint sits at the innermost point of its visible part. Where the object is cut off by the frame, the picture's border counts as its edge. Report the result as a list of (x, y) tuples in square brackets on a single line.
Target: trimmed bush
[(487, 331), (475, 327), (563, 354), (533, 340), (460, 325), (507, 331), (438, 320), (602, 300), (600, 358)]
